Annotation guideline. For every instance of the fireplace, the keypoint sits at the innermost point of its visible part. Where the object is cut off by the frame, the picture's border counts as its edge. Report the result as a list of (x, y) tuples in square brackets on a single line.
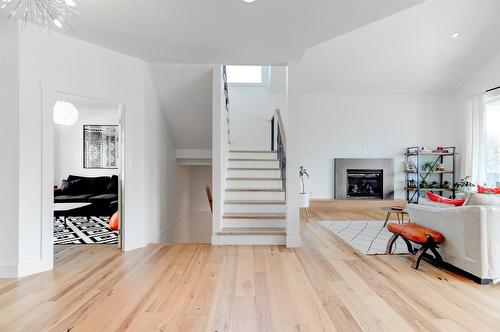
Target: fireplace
[(363, 178), (365, 183)]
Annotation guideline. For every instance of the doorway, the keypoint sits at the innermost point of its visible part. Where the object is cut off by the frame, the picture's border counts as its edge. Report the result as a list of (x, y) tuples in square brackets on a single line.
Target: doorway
[(87, 171)]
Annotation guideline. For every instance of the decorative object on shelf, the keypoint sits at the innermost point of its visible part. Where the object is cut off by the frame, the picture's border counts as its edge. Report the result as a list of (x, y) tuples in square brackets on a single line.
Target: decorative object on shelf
[(100, 146), (64, 113), (440, 167), (431, 174), (411, 183), (410, 166), (47, 13)]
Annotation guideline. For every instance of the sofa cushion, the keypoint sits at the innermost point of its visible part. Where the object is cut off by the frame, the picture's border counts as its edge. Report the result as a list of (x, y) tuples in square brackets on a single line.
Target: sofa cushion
[(441, 199), (482, 199), (113, 185), (103, 199), (74, 187), (96, 185), (72, 198), (486, 190), (427, 202)]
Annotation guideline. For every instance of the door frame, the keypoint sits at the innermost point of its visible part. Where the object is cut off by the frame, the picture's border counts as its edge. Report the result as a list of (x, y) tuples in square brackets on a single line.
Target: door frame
[(48, 98)]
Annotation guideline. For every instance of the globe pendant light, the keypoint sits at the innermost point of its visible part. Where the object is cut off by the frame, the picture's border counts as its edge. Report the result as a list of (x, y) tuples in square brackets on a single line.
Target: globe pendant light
[(65, 113)]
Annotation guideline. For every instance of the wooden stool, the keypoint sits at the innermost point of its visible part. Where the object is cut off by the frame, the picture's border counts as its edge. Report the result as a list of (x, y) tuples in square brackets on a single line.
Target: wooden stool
[(400, 213), (427, 238)]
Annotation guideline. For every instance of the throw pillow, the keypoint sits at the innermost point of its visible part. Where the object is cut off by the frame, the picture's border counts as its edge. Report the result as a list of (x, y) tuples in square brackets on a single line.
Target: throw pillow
[(483, 199), (441, 199), (428, 202), (486, 190), (75, 187)]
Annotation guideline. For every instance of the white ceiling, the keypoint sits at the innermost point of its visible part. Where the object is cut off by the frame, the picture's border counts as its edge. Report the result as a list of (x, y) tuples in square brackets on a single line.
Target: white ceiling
[(223, 31), (185, 92), (409, 52)]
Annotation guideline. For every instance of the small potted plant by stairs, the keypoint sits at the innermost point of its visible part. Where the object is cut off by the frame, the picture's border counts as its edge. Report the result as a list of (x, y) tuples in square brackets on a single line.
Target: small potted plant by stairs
[(303, 196)]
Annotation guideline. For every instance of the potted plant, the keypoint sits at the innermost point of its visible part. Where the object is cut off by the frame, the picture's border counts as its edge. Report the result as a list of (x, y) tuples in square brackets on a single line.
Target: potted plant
[(303, 196), (464, 186)]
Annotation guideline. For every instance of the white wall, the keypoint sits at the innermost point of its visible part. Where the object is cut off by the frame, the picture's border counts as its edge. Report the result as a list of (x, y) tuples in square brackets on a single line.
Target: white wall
[(168, 184), (251, 110), (196, 225), (50, 63), (9, 143), (368, 126), (68, 144)]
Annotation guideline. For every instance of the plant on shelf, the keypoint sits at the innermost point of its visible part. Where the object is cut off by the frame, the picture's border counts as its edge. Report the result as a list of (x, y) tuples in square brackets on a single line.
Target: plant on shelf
[(428, 166), (446, 184), (424, 184), (304, 197), (434, 184)]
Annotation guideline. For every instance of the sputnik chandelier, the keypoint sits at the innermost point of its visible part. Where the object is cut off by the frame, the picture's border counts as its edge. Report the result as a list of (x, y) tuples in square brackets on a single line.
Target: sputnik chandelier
[(47, 13)]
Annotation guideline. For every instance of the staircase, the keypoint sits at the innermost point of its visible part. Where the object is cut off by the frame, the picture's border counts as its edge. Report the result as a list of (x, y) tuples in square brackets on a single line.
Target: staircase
[(255, 199)]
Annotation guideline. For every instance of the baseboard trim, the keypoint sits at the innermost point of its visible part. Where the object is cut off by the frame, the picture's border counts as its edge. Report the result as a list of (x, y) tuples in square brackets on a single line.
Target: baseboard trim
[(9, 271), (163, 232), (29, 268), (293, 242), (248, 239)]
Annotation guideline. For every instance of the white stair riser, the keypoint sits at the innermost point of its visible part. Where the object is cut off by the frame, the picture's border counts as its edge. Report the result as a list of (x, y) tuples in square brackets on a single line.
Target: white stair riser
[(253, 173), (253, 223), (255, 184), (253, 163), (255, 195), (255, 208), (249, 239), (253, 155)]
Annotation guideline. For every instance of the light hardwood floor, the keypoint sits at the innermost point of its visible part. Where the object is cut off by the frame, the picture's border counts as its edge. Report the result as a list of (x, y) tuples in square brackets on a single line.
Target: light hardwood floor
[(323, 286)]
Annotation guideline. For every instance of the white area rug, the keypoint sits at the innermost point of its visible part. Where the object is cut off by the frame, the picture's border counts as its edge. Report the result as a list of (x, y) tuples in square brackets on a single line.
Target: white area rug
[(368, 236)]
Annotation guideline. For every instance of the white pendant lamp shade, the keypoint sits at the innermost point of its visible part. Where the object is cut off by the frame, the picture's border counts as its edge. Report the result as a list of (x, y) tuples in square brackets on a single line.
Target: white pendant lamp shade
[(65, 113)]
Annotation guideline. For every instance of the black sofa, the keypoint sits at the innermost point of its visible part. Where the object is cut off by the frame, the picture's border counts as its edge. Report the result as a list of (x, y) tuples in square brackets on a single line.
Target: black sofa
[(101, 192)]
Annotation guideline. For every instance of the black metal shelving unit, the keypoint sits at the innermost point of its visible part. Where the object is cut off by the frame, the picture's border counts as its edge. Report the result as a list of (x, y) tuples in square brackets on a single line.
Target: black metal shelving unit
[(415, 155)]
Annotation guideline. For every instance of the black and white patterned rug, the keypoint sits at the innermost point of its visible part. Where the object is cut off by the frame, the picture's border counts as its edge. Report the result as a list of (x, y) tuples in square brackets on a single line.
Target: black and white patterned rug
[(80, 230), (368, 236)]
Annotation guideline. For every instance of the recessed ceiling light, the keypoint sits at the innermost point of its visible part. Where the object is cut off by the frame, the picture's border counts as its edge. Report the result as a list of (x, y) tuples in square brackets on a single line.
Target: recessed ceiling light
[(248, 1), (455, 35)]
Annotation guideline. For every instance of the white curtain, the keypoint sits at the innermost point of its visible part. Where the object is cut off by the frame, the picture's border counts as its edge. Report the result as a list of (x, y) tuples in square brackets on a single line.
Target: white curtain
[(473, 161)]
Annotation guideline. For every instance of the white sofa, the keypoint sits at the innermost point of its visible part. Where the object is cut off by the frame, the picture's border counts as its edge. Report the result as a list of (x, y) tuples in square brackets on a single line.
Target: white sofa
[(472, 235)]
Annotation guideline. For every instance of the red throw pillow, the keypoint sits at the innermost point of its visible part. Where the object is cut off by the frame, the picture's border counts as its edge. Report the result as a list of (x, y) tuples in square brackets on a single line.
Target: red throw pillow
[(441, 199), (486, 190)]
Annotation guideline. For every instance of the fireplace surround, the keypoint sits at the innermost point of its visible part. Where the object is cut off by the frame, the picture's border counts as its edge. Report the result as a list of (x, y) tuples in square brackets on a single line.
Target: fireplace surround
[(364, 178)]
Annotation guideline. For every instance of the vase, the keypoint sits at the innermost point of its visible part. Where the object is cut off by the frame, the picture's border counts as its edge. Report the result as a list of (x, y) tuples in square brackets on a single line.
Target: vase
[(303, 200)]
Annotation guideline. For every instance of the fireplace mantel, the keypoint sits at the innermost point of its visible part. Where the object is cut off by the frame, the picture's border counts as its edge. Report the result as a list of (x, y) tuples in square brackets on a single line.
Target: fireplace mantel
[(341, 165)]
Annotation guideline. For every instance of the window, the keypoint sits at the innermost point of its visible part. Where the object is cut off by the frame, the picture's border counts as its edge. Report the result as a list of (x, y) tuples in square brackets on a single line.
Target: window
[(492, 120), (244, 74)]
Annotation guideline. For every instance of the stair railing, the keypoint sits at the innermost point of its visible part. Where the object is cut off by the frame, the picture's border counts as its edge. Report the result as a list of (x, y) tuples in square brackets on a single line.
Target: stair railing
[(226, 103), (278, 143)]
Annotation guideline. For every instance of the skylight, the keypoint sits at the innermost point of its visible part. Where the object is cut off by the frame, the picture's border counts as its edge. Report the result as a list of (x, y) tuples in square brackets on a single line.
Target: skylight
[(244, 74)]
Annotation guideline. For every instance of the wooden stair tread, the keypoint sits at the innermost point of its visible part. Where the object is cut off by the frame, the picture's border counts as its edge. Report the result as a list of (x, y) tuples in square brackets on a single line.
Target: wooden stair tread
[(243, 151), (253, 159), (254, 179), (256, 189), (256, 202), (252, 231), (250, 215), (253, 169)]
